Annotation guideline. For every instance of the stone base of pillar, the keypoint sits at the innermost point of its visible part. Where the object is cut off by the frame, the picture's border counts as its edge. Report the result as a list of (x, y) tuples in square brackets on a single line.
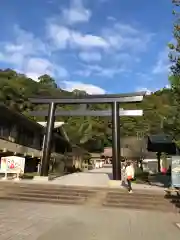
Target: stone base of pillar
[(114, 183), (41, 179)]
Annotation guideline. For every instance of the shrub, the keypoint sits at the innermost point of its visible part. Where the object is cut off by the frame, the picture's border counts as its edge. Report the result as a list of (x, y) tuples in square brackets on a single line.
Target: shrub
[(139, 174)]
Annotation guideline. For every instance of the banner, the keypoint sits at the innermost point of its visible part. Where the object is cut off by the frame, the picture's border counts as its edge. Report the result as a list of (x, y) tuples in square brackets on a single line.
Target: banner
[(175, 171), (12, 164)]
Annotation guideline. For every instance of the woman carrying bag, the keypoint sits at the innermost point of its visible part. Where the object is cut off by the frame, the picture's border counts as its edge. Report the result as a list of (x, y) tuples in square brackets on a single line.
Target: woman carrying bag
[(129, 172)]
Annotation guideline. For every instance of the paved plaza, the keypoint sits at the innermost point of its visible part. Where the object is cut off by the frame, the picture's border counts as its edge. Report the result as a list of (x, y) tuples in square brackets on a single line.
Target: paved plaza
[(96, 178), (38, 221), (32, 221)]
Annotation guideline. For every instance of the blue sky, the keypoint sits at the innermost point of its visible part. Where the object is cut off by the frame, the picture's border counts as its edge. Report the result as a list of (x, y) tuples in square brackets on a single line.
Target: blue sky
[(100, 46)]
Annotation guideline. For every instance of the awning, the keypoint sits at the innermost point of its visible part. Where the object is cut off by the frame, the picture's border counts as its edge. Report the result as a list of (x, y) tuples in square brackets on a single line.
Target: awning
[(161, 143), (161, 138)]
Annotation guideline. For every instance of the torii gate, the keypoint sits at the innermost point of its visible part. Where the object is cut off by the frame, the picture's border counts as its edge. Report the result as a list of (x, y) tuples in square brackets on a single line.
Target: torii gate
[(115, 112)]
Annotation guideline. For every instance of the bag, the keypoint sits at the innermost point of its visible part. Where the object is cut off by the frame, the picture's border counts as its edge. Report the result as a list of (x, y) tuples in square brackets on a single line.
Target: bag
[(129, 177)]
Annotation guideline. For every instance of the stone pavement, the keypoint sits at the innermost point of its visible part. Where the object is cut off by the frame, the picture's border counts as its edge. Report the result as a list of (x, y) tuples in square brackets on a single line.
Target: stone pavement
[(97, 178), (35, 221), (93, 178), (89, 179)]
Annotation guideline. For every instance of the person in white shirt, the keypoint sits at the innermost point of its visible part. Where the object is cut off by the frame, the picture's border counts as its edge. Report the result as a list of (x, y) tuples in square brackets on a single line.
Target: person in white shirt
[(129, 172)]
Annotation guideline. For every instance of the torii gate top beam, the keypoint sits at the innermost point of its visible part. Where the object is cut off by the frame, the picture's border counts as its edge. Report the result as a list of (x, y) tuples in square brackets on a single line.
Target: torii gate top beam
[(104, 98)]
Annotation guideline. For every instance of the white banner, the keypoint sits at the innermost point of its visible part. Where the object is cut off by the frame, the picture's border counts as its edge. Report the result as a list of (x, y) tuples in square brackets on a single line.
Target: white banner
[(12, 164)]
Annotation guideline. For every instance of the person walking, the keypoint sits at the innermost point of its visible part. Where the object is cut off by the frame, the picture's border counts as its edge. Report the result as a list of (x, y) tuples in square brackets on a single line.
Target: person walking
[(123, 168), (129, 172)]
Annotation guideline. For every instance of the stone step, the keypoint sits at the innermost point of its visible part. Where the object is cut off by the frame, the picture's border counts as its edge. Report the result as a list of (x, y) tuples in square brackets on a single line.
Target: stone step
[(120, 198), (86, 193), (74, 192), (47, 196), (65, 195), (137, 201), (51, 187), (141, 201), (42, 186), (80, 191), (141, 207), (132, 196), (9, 184), (141, 197), (145, 192), (79, 201)]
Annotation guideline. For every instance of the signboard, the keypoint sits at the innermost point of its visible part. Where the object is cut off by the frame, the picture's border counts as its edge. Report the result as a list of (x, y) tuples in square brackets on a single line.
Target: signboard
[(12, 164), (175, 172)]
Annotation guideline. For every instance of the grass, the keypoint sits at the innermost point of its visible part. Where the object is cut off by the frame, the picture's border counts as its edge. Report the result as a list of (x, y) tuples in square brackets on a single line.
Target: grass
[(29, 175), (141, 176)]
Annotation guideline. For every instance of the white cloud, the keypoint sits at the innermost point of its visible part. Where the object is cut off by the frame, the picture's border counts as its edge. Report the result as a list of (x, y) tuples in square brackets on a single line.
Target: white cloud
[(120, 43), (144, 89), (149, 91), (63, 37), (126, 58), (109, 72), (77, 13), (39, 64), (88, 40), (27, 43), (36, 67), (23, 46), (144, 77), (162, 66), (89, 88), (14, 48), (124, 37), (61, 71), (59, 35), (100, 71), (111, 18), (90, 56), (30, 55), (84, 73), (14, 58)]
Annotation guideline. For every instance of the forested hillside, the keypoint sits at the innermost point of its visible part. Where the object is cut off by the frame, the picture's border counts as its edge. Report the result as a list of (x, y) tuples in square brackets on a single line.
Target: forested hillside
[(15, 89)]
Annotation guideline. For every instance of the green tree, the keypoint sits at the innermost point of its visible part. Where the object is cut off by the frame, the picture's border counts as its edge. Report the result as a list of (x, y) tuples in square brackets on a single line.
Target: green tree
[(78, 92), (47, 80), (15, 90), (174, 77)]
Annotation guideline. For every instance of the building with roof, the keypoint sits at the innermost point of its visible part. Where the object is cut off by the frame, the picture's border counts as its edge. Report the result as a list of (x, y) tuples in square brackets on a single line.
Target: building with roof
[(132, 148), (22, 136)]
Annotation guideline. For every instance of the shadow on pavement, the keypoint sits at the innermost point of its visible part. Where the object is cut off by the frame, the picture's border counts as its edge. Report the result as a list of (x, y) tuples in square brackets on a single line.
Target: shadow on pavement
[(175, 200), (159, 180)]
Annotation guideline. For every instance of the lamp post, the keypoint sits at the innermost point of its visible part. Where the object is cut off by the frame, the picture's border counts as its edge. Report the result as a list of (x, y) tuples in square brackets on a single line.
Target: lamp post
[(140, 136)]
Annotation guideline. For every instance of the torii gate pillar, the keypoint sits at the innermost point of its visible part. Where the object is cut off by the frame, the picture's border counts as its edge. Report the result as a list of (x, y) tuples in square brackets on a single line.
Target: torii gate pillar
[(116, 142)]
